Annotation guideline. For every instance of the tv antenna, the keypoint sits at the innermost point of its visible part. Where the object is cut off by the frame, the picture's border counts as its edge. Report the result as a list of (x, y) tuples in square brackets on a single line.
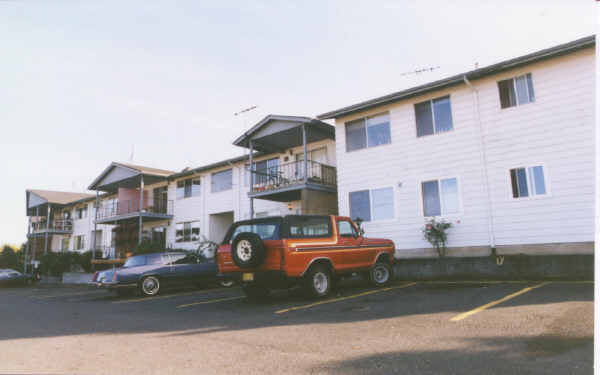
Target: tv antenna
[(419, 71), (245, 110)]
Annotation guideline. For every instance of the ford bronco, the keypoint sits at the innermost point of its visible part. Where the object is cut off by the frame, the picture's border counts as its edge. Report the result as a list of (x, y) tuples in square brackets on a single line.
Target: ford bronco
[(313, 251)]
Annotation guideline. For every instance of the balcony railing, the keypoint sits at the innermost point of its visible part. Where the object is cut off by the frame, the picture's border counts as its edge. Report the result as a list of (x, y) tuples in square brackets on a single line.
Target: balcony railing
[(118, 208), (59, 225), (288, 174)]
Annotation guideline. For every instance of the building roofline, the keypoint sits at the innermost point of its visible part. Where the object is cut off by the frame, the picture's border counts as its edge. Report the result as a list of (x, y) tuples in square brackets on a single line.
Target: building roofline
[(541, 55), (218, 164)]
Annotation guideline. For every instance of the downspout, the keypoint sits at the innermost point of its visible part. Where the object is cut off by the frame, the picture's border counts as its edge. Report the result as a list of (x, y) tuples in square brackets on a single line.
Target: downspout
[(483, 157)]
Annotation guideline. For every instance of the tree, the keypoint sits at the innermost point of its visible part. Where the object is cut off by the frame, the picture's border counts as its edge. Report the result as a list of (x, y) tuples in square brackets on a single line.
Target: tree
[(9, 258)]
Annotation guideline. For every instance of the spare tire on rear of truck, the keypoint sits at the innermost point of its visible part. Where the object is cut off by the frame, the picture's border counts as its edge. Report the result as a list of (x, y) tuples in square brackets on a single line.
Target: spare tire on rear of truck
[(248, 250)]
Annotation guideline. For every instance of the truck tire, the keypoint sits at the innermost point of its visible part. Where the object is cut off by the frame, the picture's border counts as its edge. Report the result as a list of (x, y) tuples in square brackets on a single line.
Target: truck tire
[(248, 250), (318, 281), (380, 274)]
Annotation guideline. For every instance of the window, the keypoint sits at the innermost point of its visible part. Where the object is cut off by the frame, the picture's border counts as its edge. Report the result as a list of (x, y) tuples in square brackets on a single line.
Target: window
[(188, 188), (266, 171), (266, 230), (79, 242), (187, 232), (528, 181), (135, 261), (346, 229), (376, 204), (516, 91), (440, 197), (64, 244), (81, 212), (221, 181), (368, 132), (433, 116), (309, 226), (155, 259)]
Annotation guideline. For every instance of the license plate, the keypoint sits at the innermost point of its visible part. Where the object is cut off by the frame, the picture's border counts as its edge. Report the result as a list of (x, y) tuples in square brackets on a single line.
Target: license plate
[(248, 277)]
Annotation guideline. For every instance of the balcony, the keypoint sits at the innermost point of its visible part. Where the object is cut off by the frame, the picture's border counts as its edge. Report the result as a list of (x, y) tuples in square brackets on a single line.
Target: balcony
[(285, 181), (157, 209), (59, 226)]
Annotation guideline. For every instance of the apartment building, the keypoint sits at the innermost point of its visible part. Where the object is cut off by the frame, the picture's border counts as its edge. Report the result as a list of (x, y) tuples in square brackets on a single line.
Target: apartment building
[(504, 153)]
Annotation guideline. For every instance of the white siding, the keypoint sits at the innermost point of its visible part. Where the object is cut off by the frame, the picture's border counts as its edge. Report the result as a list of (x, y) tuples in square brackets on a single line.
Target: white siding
[(556, 131)]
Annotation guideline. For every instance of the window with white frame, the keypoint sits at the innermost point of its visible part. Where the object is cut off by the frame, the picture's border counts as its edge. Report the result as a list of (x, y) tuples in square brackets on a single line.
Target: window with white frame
[(188, 188), (516, 91), (64, 244), (187, 232), (368, 132), (81, 212), (372, 205), (528, 181), (440, 197), (221, 181), (79, 242), (433, 116)]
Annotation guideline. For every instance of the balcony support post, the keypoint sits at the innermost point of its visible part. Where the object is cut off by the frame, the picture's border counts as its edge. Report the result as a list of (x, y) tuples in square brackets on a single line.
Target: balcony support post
[(251, 178), (94, 244), (37, 216), (28, 241), (305, 161), (141, 206), (47, 228)]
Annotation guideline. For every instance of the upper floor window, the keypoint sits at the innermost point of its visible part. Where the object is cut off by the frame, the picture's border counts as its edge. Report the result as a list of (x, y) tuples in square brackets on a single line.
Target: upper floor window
[(221, 181), (516, 91), (376, 204), (368, 132), (188, 188), (81, 212), (440, 197), (433, 116), (528, 181), (79, 242)]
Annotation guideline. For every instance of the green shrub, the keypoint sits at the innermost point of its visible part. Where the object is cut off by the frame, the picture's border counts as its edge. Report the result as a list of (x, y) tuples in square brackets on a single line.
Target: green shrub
[(85, 261), (10, 258), (435, 233)]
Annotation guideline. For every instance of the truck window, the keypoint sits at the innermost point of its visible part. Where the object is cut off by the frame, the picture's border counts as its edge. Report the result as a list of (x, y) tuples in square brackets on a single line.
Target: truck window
[(310, 226), (346, 229), (265, 230)]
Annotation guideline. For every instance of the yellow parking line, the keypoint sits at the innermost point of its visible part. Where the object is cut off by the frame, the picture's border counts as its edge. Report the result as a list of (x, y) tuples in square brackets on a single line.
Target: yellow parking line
[(343, 298), (494, 303), (145, 299), (210, 301)]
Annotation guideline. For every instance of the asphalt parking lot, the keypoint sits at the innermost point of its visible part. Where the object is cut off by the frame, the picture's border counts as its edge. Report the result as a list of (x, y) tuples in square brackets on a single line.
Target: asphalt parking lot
[(407, 328)]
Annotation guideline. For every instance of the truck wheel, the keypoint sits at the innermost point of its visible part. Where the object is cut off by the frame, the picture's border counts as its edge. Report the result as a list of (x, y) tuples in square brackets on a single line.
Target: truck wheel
[(318, 281), (380, 274), (255, 292), (150, 286), (248, 250)]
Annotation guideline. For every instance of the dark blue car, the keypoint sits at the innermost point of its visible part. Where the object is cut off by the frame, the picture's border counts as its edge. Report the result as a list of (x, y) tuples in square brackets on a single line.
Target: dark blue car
[(151, 273)]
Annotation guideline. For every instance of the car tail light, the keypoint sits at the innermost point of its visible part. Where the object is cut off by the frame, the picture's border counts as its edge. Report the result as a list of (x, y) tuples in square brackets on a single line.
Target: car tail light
[(95, 277), (114, 276)]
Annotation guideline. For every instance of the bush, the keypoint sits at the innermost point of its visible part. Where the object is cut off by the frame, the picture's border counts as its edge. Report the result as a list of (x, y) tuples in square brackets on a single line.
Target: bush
[(147, 247), (85, 261), (435, 233), (9, 258), (55, 264)]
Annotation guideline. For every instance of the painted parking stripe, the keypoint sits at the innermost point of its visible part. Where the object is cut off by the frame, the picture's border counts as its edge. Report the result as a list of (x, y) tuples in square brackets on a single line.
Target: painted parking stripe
[(464, 315), (210, 301), (302, 307), (146, 299)]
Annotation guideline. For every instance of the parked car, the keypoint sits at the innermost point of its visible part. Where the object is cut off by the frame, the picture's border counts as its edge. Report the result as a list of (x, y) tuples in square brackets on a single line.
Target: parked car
[(10, 277), (151, 273), (313, 251)]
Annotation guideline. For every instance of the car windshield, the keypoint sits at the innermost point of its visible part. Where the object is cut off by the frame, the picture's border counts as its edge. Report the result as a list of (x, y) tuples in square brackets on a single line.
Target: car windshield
[(266, 230), (135, 261)]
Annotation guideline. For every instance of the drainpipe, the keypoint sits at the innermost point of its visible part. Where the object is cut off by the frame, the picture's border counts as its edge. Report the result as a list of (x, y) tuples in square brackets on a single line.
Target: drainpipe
[(47, 228), (141, 207), (484, 171), (95, 229), (251, 179), (28, 241)]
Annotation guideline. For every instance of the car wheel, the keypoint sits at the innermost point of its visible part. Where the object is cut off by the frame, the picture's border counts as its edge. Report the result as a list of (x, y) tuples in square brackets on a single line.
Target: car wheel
[(255, 292), (248, 250), (150, 286), (226, 283), (380, 274), (318, 281)]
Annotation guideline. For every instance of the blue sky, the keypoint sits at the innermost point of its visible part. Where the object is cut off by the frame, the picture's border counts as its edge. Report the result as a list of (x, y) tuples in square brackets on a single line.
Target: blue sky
[(81, 82)]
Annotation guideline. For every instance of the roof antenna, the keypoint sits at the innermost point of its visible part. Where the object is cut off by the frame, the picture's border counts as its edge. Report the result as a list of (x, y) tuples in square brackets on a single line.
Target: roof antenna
[(419, 71), (132, 152)]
